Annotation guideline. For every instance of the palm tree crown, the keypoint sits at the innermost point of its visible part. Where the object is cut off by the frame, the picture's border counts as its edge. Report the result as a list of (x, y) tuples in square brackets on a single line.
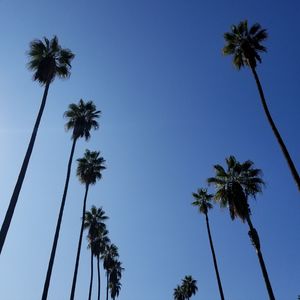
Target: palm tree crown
[(115, 288), (82, 118), (90, 167), (116, 270), (110, 254), (234, 185), (245, 44), (48, 60), (93, 220), (100, 241), (202, 200), (178, 293), (189, 286)]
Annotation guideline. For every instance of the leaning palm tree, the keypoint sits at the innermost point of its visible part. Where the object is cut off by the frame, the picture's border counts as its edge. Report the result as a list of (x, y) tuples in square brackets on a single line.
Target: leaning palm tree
[(109, 256), (94, 222), (189, 287), (89, 171), (99, 245), (202, 201), (47, 60), (178, 293), (233, 188), (245, 44), (82, 118)]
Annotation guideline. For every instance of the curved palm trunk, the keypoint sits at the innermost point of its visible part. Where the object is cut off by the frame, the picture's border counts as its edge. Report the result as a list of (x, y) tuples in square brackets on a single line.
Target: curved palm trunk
[(56, 236), (79, 245), (18, 186), (256, 243), (107, 284), (214, 258), (92, 273), (98, 270), (275, 131)]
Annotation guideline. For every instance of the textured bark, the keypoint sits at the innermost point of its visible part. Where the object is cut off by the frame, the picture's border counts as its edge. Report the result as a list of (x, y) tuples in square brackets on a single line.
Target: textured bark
[(79, 245), (58, 225), (92, 273), (256, 244), (18, 186), (275, 131), (214, 258)]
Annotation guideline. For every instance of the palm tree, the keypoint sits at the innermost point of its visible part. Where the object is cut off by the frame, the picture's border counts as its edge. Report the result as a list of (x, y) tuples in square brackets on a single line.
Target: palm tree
[(233, 188), (94, 222), (100, 244), (115, 287), (189, 287), (89, 171), (47, 60), (178, 293), (115, 279), (202, 201), (81, 120), (109, 255), (245, 44)]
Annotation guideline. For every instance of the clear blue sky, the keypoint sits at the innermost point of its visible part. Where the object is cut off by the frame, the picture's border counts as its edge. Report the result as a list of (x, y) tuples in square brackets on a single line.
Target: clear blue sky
[(172, 107)]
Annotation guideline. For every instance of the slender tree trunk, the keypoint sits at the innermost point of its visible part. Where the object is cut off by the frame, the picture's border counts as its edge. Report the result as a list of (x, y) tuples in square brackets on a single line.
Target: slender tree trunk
[(59, 220), (98, 270), (107, 284), (79, 245), (18, 186), (275, 131), (92, 273), (214, 258), (256, 243)]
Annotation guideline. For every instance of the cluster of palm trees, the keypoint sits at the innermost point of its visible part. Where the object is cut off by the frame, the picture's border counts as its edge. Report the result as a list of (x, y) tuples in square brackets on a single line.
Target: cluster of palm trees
[(234, 186), (186, 290), (101, 248), (48, 60), (238, 182)]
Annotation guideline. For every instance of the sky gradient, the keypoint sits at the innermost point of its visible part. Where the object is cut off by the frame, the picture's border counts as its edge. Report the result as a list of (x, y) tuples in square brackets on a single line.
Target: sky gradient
[(172, 107)]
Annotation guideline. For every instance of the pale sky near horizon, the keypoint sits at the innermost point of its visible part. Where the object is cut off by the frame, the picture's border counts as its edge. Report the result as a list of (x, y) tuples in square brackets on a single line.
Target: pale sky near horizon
[(172, 107)]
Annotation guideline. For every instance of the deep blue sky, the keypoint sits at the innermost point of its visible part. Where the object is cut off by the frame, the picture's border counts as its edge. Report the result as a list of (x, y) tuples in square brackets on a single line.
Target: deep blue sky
[(172, 107)]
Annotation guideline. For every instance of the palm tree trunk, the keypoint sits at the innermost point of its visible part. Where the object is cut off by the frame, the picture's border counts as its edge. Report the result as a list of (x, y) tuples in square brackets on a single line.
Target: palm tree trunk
[(56, 235), (275, 131), (107, 284), (79, 245), (256, 243), (18, 186), (92, 273), (214, 258), (98, 270)]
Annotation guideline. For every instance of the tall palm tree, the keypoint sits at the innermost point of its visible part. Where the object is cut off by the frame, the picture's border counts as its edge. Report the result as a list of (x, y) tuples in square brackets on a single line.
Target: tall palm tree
[(178, 293), (233, 188), (202, 201), (100, 244), (189, 287), (81, 119), (47, 60), (115, 275), (245, 44), (89, 171), (94, 222), (109, 256)]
